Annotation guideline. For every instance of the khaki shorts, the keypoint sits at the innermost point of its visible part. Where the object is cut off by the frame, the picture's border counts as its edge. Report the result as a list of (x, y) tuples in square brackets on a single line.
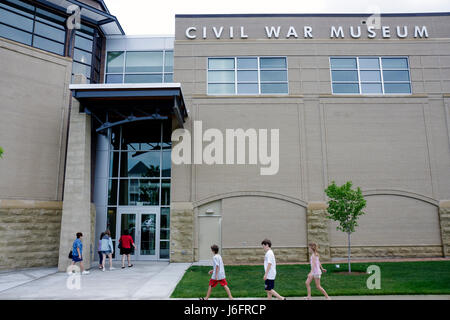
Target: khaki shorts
[(316, 276)]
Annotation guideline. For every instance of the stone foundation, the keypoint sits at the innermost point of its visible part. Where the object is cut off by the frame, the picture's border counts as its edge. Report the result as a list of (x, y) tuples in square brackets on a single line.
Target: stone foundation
[(181, 232), (256, 255), (29, 233), (317, 228), (444, 219), (387, 252)]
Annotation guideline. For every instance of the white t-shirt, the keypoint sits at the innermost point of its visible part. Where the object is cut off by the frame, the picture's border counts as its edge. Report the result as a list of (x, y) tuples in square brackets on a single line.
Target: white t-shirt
[(217, 261), (270, 258)]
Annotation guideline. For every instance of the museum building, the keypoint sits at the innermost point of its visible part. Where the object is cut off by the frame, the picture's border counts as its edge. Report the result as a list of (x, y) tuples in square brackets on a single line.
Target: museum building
[(227, 132)]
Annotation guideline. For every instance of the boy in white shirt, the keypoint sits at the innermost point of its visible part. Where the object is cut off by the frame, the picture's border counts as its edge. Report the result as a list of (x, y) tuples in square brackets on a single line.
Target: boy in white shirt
[(217, 274), (270, 268)]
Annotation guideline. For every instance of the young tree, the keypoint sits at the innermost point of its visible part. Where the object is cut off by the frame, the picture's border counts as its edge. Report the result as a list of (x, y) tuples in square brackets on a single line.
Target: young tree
[(1, 152), (345, 206)]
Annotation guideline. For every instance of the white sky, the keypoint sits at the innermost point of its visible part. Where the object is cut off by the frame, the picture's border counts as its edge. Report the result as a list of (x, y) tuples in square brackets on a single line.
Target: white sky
[(157, 17)]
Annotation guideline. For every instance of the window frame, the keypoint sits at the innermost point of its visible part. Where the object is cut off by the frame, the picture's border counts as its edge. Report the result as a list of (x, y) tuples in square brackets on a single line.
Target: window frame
[(381, 70), (37, 18), (163, 73), (236, 82)]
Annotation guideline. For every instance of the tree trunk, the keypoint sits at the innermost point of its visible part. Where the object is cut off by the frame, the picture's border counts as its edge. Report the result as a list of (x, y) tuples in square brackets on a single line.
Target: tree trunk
[(349, 252)]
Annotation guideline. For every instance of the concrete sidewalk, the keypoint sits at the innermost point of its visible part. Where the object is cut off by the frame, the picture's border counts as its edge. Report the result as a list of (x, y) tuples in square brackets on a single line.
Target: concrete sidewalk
[(145, 280)]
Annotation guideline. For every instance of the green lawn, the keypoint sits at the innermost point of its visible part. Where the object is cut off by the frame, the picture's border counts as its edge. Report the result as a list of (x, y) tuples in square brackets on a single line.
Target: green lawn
[(429, 277)]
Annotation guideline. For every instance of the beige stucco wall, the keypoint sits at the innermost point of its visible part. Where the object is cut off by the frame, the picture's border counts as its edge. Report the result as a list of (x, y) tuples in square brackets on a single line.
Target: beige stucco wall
[(34, 102)]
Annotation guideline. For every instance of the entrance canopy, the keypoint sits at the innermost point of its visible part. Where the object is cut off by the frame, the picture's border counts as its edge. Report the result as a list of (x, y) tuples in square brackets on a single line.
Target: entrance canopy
[(115, 104)]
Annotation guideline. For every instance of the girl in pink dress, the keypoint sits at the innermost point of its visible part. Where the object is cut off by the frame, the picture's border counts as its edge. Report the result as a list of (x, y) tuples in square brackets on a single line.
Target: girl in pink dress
[(316, 272)]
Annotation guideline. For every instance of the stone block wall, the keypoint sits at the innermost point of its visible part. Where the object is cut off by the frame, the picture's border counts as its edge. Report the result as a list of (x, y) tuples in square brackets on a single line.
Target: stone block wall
[(444, 219), (317, 228), (29, 233), (181, 232), (387, 252)]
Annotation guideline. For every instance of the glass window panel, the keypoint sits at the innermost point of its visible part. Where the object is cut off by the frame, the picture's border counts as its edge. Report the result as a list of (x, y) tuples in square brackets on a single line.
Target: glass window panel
[(396, 75), (168, 61), (165, 192), (272, 63), (168, 77), (114, 78), (114, 164), (273, 75), (148, 234), (221, 76), (165, 218), (274, 88), (247, 63), (139, 192), (142, 61), (164, 234), (343, 63), (140, 164), (14, 34), (345, 88), (51, 46), (371, 88), (83, 43), (111, 222), (164, 250), (25, 7), (397, 88), (220, 63), (16, 20), (369, 63), (345, 75), (112, 192), (248, 75), (143, 78), (370, 75), (247, 88), (115, 62), (82, 56), (166, 163), (43, 13), (394, 63), (50, 32), (223, 88), (78, 68)]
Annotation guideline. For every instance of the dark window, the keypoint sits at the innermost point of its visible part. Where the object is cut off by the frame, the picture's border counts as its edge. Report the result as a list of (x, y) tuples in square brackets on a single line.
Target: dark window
[(27, 24)]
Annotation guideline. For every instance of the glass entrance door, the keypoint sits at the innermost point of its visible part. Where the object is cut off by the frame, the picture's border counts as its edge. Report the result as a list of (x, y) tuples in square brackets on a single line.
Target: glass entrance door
[(143, 226)]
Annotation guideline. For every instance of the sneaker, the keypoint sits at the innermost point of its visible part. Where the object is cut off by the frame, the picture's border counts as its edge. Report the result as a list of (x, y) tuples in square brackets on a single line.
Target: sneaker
[(85, 272), (112, 268), (103, 269)]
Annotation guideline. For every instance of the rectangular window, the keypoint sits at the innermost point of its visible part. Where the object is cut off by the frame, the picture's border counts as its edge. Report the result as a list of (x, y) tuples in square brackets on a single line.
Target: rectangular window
[(33, 26), (139, 67), (370, 75), (247, 76)]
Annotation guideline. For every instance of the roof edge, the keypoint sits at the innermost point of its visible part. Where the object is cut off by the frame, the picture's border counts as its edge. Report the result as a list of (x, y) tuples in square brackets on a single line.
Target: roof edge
[(282, 15)]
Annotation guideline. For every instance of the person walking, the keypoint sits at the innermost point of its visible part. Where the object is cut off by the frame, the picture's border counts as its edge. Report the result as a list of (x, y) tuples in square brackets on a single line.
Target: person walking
[(270, 268), (77, 252), (316, 272), (99, 250), (107, 249), (125, 243), (217, 274)]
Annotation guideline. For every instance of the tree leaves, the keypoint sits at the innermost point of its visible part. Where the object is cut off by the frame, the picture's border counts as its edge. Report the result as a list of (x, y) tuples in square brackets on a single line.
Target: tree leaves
[(345, 205)]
